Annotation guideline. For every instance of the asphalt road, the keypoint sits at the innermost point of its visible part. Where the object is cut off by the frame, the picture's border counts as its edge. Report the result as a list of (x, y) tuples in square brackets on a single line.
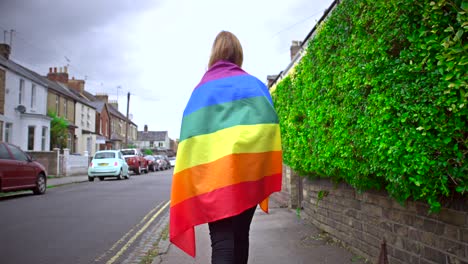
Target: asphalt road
[(90, 222)]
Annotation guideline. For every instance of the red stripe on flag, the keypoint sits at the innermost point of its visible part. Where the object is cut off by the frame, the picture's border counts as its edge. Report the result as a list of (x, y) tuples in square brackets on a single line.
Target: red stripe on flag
[(216, 205)]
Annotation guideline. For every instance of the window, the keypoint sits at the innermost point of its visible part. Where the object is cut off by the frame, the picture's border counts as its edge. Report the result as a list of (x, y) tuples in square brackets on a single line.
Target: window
[(21, 92), (4, 154), (69, 141), (33, 96), (160, 144), (18, 154), (8, 132), (31, 137), (43, 138), (151, 144), (1, 130), (65, 111), (57, 104), (104, 155)]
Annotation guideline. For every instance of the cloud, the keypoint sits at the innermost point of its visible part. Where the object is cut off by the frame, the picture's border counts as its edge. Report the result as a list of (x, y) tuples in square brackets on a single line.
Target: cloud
[(156, 50)]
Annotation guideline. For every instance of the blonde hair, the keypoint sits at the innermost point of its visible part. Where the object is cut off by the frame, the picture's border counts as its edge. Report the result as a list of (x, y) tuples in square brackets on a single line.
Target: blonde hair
[(226, 47)]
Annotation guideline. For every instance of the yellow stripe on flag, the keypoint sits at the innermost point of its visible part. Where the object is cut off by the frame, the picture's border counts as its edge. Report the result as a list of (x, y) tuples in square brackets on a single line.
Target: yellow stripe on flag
[(239, 139)]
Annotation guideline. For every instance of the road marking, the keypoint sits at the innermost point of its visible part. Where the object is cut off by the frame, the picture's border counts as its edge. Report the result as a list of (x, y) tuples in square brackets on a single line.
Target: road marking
[(124, 237), (126, 246)]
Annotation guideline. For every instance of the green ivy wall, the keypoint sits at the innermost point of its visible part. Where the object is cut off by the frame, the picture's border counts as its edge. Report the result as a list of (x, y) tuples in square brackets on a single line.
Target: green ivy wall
[(379, 100)]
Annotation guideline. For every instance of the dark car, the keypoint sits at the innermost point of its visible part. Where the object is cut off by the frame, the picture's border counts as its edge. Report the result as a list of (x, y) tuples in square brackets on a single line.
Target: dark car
[(162, 165), (152, 164), (168, 162), (19, 172)]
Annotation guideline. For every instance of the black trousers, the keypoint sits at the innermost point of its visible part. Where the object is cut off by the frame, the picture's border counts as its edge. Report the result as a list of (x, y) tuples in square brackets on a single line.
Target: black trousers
[(230, 238)]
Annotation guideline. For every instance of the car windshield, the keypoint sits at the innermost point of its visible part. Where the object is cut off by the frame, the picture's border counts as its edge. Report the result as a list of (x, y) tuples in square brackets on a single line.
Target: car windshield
[(104, 155), (149, 157), (128, 152)]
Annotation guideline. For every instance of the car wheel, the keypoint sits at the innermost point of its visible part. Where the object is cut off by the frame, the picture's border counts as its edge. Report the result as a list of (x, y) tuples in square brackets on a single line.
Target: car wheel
[(147, 169), (90, 178), (41, 184), (127, 176), (138, 170), (120, 176), (101, 178)]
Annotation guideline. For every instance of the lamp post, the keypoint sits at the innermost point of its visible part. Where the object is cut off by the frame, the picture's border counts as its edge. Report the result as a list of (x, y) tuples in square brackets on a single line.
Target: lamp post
[(126, 123)]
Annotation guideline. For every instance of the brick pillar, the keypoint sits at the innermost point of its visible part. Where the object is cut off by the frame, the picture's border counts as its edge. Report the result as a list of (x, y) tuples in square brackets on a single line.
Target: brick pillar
[(57, 150), (294, 189)]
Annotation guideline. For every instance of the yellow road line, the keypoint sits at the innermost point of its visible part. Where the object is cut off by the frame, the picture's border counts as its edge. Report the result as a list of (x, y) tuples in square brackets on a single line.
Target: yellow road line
[(122, 239), (126, 246)]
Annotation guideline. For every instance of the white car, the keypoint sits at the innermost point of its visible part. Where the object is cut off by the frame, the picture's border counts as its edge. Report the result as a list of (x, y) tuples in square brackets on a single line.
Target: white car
[(108, 163), (172, 161)]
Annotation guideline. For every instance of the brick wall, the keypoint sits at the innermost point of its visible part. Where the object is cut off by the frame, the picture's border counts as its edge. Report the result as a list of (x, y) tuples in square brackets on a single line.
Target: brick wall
[(47, 158), (362, 220)]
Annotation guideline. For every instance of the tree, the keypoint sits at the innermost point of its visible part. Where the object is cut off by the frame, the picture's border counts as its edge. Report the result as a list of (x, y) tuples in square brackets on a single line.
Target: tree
[(148, 152), (58, 131)]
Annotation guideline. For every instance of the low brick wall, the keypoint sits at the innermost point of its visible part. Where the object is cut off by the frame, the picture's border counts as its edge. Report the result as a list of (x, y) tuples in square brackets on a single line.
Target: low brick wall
[(362, 220), (47, 158)]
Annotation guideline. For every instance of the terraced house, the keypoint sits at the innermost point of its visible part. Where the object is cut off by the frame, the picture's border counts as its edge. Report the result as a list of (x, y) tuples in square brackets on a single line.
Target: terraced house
[(80, 114), (23, 114)]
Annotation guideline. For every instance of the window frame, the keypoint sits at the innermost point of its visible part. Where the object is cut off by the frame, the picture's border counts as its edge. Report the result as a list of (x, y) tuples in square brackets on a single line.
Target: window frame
[(31, 137), (33, 96), (21, 92)]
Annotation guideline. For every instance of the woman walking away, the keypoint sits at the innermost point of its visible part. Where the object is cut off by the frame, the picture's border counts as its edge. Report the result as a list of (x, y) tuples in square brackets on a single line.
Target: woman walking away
[(228, 159)]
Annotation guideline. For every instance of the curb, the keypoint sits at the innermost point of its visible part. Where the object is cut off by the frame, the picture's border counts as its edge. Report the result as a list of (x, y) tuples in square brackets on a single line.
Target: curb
[(163, 244)]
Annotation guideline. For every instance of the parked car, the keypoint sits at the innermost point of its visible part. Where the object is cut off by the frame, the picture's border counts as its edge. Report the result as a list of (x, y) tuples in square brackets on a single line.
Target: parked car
[(18, 171), (162, 163), (108, 163), (168, 163), (135, 160), (152, 164), (172, 161)]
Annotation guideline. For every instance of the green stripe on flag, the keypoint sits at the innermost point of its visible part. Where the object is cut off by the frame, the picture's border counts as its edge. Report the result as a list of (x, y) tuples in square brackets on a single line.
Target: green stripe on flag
[(249, 111)]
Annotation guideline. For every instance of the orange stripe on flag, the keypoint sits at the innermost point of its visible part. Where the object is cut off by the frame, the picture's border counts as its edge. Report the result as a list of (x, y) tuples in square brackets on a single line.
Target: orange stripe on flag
[(224, 172)]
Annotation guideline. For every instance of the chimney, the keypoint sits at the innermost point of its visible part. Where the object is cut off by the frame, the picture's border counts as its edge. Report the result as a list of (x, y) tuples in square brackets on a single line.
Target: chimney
[(77, 85), (295, 48), (114, 103), (60, 76), (5, 50), (271, 79), (146, 128), (102, 97)]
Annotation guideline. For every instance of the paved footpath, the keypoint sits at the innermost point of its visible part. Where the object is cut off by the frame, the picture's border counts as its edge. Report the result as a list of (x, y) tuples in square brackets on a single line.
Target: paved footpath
[(66, 180), (278, 237), (275, 238)]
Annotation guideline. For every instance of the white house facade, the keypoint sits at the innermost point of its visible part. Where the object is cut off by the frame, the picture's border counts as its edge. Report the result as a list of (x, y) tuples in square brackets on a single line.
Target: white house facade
[(153, 139), (24, 121), (85, 118)]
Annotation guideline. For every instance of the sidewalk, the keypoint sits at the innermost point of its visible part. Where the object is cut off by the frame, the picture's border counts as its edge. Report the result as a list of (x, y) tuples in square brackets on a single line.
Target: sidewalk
[(66, 180), (275, 238)]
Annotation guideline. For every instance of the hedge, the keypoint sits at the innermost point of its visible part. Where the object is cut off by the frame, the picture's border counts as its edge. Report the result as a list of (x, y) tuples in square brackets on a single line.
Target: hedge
[(379, 99)]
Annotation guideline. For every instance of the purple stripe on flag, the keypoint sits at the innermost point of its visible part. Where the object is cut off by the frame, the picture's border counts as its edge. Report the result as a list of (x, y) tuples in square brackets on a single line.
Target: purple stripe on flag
[(221, 69)]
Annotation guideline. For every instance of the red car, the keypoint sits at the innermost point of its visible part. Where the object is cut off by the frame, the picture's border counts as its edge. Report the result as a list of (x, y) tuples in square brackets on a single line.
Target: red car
[(19, 172), (135, 160)]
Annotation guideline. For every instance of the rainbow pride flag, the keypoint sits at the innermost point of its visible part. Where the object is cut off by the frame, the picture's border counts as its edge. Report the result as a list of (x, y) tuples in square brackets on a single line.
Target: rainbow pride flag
[(229, 157)]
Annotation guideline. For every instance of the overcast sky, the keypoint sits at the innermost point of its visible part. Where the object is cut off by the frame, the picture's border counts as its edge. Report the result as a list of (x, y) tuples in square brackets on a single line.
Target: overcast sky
[(156, 50)]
